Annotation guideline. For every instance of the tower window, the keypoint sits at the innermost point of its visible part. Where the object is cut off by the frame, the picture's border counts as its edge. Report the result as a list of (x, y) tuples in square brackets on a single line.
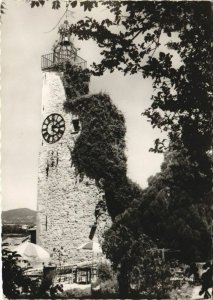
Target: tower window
[(76, 125)]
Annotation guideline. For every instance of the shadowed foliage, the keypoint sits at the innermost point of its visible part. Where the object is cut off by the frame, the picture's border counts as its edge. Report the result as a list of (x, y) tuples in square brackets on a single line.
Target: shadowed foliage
[(99, 150)]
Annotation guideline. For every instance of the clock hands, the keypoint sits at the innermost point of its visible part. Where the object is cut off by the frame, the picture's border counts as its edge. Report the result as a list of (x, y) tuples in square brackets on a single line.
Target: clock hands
[(57, 127)]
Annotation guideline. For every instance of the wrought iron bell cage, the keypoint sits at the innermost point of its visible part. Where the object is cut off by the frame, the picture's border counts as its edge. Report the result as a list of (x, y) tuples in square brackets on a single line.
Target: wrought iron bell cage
[(63, 50)]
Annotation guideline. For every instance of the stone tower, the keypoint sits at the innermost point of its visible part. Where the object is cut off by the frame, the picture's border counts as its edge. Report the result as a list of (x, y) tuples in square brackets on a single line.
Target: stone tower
[(65, 204)]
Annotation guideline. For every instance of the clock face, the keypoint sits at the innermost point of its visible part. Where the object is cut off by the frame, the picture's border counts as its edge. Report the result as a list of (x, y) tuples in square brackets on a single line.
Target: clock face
[(53, 128)]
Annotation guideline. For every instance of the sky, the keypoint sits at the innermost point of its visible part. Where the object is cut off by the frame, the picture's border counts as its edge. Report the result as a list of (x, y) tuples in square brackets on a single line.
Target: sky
[(26, 35)]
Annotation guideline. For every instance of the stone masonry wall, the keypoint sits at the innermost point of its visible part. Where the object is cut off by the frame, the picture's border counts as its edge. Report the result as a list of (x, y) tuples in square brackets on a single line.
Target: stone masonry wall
[(65, 204)]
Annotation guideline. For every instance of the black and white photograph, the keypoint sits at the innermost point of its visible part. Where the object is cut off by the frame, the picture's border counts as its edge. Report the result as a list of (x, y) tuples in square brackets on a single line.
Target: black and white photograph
[(106, 149)]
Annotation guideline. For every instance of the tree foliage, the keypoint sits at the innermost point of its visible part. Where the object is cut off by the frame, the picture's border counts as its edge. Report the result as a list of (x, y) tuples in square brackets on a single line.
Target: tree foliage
[(176, 207), (2, 7), (14, 229), (17, 285), (14, 281), (141, 270)]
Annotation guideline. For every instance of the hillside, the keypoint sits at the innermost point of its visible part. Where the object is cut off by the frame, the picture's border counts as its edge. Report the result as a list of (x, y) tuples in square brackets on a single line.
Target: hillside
[(19, 216)]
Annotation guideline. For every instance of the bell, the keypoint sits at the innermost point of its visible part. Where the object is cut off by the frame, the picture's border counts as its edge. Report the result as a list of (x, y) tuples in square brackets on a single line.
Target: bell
[(65, 42)]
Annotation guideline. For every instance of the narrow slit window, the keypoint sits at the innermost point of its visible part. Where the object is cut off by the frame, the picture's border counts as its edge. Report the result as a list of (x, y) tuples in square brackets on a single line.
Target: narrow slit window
[(76, 125)]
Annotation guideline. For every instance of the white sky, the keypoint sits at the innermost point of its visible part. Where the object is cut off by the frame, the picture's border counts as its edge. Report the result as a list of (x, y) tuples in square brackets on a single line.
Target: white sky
[(23, 42)]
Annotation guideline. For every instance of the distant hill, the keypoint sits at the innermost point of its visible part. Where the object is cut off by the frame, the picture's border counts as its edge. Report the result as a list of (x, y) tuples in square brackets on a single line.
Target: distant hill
[(19, 216)]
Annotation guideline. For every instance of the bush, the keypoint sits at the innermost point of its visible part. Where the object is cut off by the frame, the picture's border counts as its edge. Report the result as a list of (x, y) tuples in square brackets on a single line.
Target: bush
[(109, 288), (77, 293), (106, 289), (183, 292), (17, 285), (106, 285), (105, 272)]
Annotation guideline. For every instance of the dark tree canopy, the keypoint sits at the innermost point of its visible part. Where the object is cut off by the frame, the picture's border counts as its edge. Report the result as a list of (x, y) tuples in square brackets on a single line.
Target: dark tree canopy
[(176, 207), (139, 265)]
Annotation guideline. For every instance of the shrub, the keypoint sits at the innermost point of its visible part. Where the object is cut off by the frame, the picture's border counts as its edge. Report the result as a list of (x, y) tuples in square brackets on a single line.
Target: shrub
[(17, 285), (77, 293), (183, 292), (109, 287), (105, 272), (106, 289)]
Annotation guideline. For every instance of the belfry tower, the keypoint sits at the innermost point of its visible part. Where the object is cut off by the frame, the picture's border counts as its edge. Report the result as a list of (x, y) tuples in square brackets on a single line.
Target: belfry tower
[(65, 205)]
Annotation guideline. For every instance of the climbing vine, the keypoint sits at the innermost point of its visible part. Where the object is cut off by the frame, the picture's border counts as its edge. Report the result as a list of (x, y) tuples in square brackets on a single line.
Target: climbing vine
[(74, 78), (99, 150)]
